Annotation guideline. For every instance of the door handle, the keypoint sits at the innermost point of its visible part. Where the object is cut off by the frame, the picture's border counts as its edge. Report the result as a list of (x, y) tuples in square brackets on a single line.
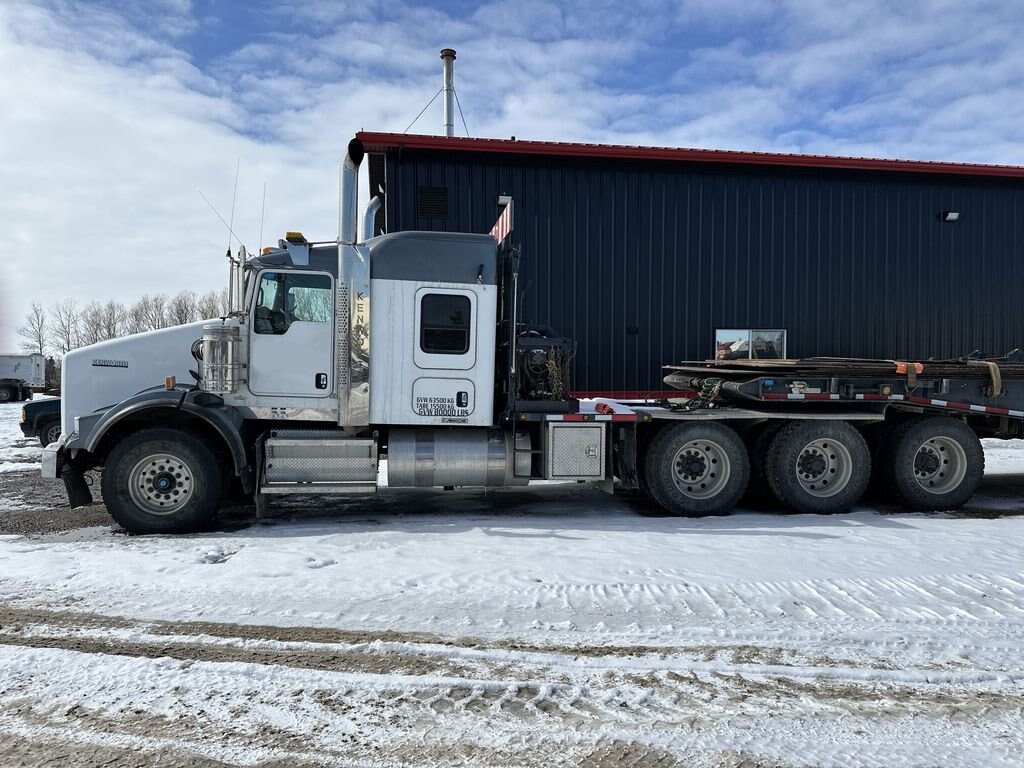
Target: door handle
[(321, 381)]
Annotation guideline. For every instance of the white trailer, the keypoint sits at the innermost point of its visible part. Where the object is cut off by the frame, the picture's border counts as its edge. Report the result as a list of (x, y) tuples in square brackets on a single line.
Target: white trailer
[(20, 375), (407, 347)]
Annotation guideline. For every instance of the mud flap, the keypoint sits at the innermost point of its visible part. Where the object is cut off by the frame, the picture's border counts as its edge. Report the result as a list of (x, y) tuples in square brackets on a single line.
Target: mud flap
[(79, 494)]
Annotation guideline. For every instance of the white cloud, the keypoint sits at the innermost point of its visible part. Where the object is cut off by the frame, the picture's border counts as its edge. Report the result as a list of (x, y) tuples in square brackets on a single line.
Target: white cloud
[(110, 126)]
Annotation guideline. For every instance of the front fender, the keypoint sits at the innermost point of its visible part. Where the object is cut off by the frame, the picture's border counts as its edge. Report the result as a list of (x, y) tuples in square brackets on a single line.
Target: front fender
[(209, 408)]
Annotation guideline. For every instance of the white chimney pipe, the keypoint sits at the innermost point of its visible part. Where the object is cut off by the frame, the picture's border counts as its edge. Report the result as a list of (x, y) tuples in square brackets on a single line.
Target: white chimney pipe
[(448, 59)]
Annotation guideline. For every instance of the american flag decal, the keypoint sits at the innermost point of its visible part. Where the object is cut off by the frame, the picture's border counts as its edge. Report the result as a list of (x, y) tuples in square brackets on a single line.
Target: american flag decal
[(503, 226)]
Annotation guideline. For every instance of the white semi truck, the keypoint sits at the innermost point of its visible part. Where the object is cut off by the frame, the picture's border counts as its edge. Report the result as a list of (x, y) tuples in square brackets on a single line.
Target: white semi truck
[(407, 347), (20, 375)]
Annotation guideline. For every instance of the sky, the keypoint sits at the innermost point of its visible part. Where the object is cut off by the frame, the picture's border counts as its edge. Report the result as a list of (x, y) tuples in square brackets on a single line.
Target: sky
[(118, 113)]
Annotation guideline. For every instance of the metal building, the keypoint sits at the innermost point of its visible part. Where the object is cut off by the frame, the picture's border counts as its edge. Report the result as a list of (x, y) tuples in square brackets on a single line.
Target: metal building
[(652, 255)]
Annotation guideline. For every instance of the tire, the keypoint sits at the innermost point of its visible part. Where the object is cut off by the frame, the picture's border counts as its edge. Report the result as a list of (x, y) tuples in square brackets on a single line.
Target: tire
[(696, 469), (933, 463), (6, 394), (759, 492), (190, 471), (818, 466), (49, 431)]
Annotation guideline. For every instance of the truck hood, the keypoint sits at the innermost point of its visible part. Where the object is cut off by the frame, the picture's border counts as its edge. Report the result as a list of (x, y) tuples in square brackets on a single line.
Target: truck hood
[(96, 377)]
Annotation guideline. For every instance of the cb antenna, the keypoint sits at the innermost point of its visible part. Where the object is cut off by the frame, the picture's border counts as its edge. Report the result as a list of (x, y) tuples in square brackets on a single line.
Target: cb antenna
[(231, 232), (263, 210), (234, 196)]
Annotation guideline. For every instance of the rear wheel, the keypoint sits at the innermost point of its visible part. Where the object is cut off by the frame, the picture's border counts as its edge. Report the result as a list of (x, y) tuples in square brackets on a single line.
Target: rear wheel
[(49, 432), (818, 466), (933, 463), (162, 481), (6, 394), (696, 469)]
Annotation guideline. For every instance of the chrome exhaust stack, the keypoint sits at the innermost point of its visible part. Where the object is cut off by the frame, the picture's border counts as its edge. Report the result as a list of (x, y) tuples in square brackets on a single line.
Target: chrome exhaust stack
[(369, 218), (348, 212), (352, 303)]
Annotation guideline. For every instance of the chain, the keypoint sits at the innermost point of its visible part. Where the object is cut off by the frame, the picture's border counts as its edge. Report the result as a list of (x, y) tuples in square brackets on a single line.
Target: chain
[(555, 377), (709, 389)]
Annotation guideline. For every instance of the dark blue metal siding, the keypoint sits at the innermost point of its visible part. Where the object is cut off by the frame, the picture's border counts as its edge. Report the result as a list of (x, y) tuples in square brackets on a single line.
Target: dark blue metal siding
[(641, 261)]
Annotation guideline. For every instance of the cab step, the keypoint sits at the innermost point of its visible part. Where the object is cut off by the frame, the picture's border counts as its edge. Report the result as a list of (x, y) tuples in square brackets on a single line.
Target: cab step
[(317, 461)]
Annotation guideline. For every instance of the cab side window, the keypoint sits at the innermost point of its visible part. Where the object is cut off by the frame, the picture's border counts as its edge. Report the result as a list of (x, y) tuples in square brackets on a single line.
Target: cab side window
[(283, 298), (444, 324)]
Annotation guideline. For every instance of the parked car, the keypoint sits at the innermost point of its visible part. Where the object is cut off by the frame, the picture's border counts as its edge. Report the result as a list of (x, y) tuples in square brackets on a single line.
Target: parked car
[(41, 418)]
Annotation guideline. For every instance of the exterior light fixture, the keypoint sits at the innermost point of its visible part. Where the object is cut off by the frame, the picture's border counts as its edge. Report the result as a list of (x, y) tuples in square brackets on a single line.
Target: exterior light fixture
[(949, 216)]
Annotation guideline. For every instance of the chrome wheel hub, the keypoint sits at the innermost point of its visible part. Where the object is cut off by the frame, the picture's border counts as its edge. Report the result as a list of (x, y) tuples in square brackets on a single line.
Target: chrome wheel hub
[(824, 467), (700, 469), (160, 484), (940, 465)]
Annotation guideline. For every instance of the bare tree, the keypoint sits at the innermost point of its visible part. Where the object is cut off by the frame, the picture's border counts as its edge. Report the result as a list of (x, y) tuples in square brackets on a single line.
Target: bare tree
[(208, 306), (224, 299), (148, 314), (90, 324), (115, 320), (34, 330), (64, 333), (135, 320), (157, 313), (183, 308)]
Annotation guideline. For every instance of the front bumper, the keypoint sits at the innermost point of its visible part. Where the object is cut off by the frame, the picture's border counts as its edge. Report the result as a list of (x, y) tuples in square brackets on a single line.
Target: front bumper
[(56, 464), (55, 458)]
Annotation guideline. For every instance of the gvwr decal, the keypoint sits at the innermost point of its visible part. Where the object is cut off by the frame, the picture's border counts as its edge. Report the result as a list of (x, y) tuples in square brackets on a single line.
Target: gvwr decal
[(100, 363), (438, 405)]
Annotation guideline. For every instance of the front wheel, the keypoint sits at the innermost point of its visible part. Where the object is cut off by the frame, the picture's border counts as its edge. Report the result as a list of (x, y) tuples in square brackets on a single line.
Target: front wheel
[(6, 394), (696, 469), (933, 463), (818, 466), (162, 481), (49, 432)]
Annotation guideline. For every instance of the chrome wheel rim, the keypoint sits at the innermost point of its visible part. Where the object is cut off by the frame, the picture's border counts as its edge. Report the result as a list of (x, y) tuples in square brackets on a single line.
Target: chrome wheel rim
[(701, 469), (52, 434), (940, 465), (160, 484), (824, 468)]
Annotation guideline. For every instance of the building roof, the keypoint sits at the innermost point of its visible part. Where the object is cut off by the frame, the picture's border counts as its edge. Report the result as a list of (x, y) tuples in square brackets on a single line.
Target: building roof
[(382, 141)]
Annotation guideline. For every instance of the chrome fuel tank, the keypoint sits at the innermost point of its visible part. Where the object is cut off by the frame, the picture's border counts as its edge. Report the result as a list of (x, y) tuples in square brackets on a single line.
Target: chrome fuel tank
[(426, 458)]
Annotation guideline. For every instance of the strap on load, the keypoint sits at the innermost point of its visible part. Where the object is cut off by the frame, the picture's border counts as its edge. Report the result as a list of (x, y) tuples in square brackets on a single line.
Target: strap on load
[(910, 370), (993, 373)]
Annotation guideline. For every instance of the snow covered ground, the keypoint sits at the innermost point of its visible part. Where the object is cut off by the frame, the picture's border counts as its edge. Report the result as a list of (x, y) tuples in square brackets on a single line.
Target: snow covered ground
[(17, 452), (539, 626)]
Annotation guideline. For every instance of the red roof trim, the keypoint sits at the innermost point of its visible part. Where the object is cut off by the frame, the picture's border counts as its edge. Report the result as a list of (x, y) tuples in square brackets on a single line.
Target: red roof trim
[(378, 141)]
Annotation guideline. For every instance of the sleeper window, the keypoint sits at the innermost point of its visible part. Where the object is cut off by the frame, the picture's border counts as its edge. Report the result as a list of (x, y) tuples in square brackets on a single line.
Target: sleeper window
[(444, 324)]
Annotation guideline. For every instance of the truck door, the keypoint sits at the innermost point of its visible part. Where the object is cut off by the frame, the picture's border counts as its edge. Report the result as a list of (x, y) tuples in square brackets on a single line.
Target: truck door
[(292, 342), (445, 353)]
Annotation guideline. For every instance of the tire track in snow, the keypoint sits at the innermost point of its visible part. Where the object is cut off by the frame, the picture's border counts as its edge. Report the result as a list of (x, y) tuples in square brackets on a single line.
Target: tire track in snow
[(949, 597), (421, 700)]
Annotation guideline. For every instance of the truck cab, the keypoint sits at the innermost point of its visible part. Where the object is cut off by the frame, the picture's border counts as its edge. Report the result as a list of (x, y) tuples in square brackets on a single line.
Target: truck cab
[(336, 356)]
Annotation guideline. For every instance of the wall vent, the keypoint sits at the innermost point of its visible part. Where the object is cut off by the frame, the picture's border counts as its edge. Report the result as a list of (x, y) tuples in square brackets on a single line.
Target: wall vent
[(432, 202)]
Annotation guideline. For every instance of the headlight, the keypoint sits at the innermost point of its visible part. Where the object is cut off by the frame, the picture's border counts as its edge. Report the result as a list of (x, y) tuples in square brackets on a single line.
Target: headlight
[(24, 416)]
